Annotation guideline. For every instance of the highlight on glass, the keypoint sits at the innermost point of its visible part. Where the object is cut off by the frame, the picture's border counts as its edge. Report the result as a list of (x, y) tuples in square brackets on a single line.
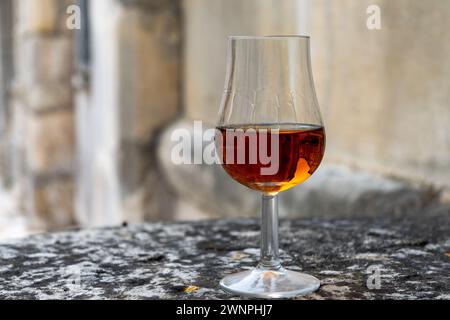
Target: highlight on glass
[(270, 137)]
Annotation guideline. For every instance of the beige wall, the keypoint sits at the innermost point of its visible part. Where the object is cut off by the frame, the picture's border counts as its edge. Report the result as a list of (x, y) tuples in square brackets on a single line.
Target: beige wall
[(386, 93)]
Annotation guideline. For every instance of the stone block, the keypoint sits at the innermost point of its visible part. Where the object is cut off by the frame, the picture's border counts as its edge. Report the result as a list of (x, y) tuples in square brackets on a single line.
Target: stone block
[(46, 59), (50, 142), (49, 96), (53, 203), (37, 16)]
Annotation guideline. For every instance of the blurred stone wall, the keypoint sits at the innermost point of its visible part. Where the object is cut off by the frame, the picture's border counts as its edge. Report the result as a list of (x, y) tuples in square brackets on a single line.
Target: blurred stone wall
[(99, 152), (42, 104)]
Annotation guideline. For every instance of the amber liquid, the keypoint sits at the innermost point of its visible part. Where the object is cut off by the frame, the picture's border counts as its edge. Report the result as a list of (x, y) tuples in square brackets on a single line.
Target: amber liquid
[(300, 151)]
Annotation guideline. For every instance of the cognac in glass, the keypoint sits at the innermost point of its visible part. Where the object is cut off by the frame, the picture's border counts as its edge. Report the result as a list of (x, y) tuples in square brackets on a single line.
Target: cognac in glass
[(270, 138)]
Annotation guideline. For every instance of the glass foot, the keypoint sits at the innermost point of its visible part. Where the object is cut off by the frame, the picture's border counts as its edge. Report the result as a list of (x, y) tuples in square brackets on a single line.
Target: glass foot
[(277, 284)]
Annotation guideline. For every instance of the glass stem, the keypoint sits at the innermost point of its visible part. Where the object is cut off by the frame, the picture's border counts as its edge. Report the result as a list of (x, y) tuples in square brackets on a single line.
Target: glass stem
[(269, 233)]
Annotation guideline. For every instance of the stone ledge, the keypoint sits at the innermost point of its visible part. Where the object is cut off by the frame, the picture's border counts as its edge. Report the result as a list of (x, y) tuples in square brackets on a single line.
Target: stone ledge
[(161, 260)]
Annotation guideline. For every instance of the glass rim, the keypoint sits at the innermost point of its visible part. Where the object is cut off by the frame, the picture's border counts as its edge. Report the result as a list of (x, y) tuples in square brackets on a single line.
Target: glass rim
[(268, 37)]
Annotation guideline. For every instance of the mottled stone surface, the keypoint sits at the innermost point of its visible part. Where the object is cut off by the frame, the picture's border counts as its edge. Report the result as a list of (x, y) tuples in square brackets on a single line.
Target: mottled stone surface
[(186, 260)]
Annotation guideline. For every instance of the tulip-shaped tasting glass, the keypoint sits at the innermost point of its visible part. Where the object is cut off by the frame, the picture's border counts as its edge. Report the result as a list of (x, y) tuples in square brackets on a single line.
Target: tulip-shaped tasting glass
[(270, 137)]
